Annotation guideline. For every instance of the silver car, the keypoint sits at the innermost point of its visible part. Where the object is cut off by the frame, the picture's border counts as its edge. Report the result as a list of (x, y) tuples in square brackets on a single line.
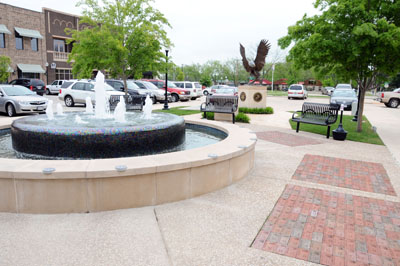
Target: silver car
[(157, 95), (15, 99), (343, 96)]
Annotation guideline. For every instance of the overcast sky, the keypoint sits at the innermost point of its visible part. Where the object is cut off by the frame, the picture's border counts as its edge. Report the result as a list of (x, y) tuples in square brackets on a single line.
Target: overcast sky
[(205, 30)]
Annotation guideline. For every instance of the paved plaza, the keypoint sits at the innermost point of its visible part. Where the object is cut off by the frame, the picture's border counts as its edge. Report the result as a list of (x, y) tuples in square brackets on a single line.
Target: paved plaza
[(308, 201)]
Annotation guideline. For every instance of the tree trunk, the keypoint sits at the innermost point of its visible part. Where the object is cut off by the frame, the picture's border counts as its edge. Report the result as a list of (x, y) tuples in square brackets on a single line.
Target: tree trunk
[(360, 110), (125, 84)]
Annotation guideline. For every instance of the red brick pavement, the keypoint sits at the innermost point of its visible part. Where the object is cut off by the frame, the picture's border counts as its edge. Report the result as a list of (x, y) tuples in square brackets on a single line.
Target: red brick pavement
[(286, 139), (332, 228), (366, 176)]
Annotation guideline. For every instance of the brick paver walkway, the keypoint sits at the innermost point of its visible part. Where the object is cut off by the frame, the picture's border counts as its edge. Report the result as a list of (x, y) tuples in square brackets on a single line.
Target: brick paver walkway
[(366, 176), (286, 139), (332, 228)]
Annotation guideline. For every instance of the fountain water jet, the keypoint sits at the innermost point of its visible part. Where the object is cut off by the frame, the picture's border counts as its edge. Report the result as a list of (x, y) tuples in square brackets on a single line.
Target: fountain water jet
[(89, 105), (120, 110), (102, 109), (49, 110), (59, 109), (148, 107)]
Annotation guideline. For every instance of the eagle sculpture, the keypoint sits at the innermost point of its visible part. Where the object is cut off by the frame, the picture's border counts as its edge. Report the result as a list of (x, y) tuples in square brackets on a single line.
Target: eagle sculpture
[(255, 67)]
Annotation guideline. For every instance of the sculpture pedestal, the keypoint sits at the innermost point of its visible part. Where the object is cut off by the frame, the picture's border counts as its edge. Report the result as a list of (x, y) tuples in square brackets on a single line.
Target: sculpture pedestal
[(251, 96)]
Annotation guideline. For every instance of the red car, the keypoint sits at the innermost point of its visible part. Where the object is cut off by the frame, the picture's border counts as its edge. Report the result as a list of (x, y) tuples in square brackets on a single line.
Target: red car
[(176, 93)]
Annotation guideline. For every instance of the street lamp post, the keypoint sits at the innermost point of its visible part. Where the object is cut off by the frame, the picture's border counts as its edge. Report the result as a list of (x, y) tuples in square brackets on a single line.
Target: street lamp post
[(166, 82), (273, 69)]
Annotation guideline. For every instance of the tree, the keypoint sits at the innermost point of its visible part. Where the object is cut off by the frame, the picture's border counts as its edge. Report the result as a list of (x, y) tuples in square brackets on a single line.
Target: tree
[(123, 37), (356, 39), (206, 81), (5, 62)]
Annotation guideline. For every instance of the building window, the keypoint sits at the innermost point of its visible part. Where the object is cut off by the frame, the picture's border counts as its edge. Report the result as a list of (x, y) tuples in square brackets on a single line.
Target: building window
[(19, 42), (2, 40), (34, 44), (64, 74), (59, 45)]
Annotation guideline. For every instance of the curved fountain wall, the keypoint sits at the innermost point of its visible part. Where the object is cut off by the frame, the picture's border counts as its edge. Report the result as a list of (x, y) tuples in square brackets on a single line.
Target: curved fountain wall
[(57, 186)]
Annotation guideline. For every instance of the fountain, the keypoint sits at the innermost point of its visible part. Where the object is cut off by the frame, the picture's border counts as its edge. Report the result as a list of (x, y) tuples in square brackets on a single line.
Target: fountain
[(143, 165), (100, 135)]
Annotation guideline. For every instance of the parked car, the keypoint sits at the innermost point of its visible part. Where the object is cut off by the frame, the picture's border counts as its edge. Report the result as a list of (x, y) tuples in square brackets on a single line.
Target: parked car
[(344, 96), (343, 86), (231, 91), (327, 90), (176, 93), (158, 95), (133, 89), (73, 92), (54, 88), (15, 99), (194, 87), (35, 85), (297, 91), (390, 98), (214, 88)]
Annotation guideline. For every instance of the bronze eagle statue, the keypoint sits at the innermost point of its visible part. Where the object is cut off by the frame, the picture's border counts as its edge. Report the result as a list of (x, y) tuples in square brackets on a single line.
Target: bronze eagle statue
[(255, 67)]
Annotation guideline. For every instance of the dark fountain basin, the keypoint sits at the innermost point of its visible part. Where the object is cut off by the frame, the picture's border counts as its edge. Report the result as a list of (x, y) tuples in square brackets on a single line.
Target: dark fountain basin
[(81, 135)]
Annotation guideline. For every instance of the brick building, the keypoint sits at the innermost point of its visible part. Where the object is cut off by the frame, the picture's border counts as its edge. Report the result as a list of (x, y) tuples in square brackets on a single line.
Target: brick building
[(22, 34), (56, 43)]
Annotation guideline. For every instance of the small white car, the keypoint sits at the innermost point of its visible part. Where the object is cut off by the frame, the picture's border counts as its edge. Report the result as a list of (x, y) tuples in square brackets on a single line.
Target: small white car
[(75, 92), (54, 88), (193, 87), (297, 91)]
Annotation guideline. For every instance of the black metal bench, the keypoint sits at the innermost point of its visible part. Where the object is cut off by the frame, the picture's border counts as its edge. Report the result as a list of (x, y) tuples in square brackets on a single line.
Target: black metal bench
[(132, 102), (317, 114), (220, 104)]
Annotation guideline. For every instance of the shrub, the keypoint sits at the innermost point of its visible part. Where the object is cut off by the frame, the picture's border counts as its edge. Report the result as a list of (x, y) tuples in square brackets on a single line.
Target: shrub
[(241, 117), (210, 116), (266, 110)]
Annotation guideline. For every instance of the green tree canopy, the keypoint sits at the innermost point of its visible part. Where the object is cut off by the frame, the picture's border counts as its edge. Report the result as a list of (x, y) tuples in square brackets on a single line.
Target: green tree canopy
[(5, 62), (124, 37), (356, 39)]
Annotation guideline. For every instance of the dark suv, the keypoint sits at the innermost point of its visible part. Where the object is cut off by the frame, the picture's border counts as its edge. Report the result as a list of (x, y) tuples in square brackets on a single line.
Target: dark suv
[(35, 85)]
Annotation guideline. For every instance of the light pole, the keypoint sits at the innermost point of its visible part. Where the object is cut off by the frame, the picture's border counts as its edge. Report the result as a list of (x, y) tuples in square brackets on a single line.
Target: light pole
[(273, 69), (166, 82)]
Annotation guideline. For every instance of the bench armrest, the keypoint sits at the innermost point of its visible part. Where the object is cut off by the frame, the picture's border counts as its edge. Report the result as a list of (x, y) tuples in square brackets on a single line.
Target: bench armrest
[(331, 119), (295, 113)]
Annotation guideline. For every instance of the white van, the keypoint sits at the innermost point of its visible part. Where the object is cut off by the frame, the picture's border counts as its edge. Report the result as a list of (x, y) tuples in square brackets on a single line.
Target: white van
[(193, 87)]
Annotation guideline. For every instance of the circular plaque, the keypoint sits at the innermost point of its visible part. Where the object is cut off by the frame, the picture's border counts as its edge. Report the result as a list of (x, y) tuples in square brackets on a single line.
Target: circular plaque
[(243, 96), (257, 97)]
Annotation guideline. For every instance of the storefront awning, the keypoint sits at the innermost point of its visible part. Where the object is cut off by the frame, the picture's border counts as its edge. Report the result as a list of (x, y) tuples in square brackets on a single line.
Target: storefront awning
[(3, 29), (26, 68), (28, 33)]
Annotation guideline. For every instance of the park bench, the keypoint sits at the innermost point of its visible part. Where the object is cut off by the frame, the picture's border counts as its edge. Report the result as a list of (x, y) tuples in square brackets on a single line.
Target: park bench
[(317, 114), (132, 102), (220, 104)]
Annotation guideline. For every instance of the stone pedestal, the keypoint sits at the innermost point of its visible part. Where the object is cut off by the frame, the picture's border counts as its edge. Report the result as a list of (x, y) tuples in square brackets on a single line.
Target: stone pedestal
[(252, 96)]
